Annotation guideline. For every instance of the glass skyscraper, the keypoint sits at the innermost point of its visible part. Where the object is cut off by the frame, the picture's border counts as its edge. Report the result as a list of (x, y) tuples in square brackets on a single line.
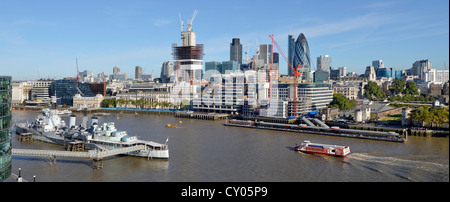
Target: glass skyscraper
[(5, 130), (291, 42), (324, 63), (301, 55), (236, 50)]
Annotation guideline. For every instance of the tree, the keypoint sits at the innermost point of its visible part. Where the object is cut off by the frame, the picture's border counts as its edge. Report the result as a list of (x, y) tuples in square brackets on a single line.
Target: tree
[(109, 103), (372, 90), (411, 88), (341, 102), (398, 86)]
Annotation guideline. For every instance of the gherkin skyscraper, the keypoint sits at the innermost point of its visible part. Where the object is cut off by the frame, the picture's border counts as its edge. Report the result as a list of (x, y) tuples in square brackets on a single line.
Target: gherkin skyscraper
[(301, 54)]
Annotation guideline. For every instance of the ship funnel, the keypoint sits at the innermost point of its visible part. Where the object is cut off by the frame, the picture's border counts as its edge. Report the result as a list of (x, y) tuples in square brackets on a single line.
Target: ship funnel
[(94, 120), (73, 118)]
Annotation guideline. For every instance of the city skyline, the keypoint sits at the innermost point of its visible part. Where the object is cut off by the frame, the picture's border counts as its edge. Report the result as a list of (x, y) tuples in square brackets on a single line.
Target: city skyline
[(42, 39)]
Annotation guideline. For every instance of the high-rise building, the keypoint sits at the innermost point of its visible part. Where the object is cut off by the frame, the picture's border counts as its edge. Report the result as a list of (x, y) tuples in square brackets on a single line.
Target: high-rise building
[(324, 63), (116, 70), (5, 130), (166, 71), (188, 58), (236, 50), (291, 42), (264, 53), (212, 68), (421, 66), (229, 66), (188, 62), (377, 64), (301, 55), (138, 72)]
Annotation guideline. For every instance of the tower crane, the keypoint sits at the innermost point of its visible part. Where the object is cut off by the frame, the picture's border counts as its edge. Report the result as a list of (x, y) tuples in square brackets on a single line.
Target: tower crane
[(181, 21), (296, 74), (191, 20)]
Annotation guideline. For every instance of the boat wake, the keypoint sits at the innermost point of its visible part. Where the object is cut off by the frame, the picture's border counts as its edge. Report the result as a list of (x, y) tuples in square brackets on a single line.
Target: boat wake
[(406, 163)]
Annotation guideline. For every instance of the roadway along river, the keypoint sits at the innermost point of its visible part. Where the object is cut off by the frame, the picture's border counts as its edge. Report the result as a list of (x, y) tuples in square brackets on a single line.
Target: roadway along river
[(209, 151)]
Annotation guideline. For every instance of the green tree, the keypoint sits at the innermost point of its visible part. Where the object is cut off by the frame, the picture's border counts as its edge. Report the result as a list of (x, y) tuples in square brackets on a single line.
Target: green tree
[(372, 90), (341, 102), (398, 86), (411, 88), (109, 103)]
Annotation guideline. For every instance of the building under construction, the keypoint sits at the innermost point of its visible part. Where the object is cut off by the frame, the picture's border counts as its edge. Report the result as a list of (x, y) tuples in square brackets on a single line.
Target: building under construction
[(188, 63)]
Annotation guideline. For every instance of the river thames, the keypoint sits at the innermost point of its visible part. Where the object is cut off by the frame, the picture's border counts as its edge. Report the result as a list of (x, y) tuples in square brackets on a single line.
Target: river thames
[(208, 151)]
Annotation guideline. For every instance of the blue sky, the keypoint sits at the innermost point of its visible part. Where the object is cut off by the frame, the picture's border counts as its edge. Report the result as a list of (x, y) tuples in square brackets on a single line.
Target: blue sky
[(43, 38)]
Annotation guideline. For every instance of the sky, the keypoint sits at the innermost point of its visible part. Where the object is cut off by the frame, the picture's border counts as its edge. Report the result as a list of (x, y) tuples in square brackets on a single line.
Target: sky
[(41, 39)]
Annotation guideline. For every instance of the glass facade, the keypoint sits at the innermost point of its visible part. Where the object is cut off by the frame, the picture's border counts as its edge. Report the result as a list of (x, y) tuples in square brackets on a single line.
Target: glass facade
[(5, 131), (384, 72), (324, 63), (67, 88), (301, 54)]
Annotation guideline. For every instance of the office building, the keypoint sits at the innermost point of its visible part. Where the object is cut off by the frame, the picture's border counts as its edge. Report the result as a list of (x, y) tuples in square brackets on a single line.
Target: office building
[(225, 94), (291, 42), (116, 70), (66, 88), (419, 67), (138, 73), (87, 76), (5, 127), (229, 66), (377, 64), (335, 74), (301, 55), (236, 50), (98, 88), (211, 68), (40, 89), (20, 92), (167, 71), (120, 76), (264, 52), (320, 76), (318, 95), (384, 72), (436, 76), (324, 63)]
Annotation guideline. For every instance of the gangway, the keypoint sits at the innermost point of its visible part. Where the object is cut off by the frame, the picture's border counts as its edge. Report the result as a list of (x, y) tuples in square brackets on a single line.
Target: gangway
[(96, 155), (321, 123), (73, 154), (308, 122)]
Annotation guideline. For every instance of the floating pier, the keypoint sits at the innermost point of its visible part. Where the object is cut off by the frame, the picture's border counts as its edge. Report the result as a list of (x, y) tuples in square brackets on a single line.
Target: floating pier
[(25, 137), (202, 116)]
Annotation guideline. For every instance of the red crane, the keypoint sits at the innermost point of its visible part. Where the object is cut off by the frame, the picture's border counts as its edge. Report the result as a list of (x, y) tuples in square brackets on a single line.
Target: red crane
[(296, 74)]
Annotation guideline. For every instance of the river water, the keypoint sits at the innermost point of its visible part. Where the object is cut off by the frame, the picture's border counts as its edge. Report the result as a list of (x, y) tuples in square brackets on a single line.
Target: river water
[(208, 151)]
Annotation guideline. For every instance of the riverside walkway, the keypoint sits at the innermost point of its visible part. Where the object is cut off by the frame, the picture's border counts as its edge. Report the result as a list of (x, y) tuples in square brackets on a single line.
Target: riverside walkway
[(97, 156)]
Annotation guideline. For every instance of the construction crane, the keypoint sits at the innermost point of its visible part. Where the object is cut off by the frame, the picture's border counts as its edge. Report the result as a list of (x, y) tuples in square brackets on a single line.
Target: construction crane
[(181, 21), (296, 74), (191, 20), (78, 79), (78, 73)]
